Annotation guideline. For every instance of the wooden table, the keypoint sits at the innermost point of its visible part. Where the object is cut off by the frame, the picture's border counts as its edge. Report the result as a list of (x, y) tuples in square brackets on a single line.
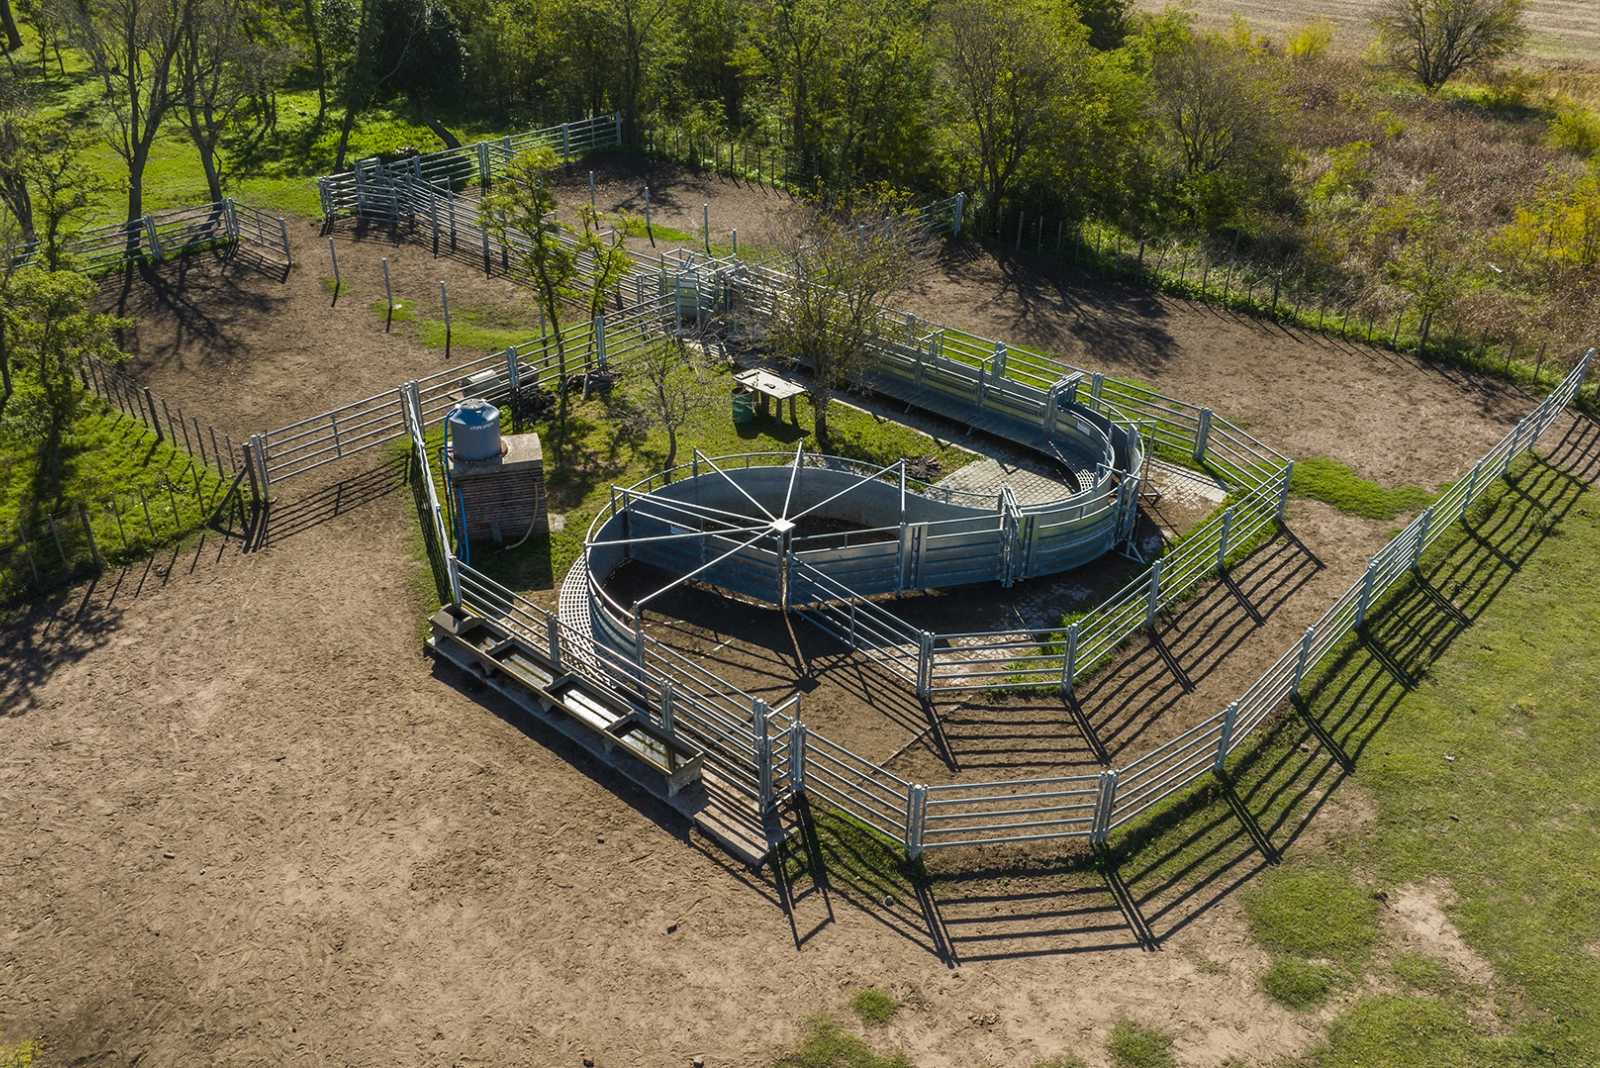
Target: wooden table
[(765, 385)]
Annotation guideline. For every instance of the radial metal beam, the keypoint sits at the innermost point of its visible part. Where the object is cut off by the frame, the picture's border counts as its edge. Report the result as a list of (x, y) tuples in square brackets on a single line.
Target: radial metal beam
[(794, 474), (734, 484), (681, 579), (853, 486), (763, 528)]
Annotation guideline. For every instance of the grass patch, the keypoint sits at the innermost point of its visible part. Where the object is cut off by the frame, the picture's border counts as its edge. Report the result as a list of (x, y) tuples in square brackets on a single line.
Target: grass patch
[(1422, 972), (1300, 984), (607, 444), (1064, 1060), (1134, 1045), (1313, 911), (1335, 483), (1409, 1030), (22, 1055), (106, 461), (827, 1045), (874, 1007)]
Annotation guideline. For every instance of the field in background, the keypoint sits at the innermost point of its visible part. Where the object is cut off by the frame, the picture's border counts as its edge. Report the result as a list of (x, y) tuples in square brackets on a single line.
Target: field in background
[(1562, 29)]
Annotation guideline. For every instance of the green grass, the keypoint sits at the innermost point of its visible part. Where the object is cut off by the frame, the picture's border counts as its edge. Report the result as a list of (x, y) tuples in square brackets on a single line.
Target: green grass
[(1422, 972), (1313, 911), (1335, 483), (595, 456), (1300, 984), (21, 1055), (827, 1045), (105, 461), (874, 1007), (1135, 1045)]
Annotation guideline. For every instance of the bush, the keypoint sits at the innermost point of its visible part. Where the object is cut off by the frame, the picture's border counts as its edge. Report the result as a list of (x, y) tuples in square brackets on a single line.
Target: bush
[(1310, 41), (1575, 129)]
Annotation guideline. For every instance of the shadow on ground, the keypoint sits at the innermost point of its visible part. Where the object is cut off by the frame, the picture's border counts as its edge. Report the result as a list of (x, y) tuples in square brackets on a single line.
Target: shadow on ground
[(1161, 876)]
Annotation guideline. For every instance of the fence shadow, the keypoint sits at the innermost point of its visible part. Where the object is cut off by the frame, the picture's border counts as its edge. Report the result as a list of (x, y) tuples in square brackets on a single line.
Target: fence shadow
[(1171, 869), (285, 518)]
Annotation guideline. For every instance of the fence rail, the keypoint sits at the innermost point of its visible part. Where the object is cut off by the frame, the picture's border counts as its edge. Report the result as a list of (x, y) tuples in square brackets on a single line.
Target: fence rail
[(164, 236)]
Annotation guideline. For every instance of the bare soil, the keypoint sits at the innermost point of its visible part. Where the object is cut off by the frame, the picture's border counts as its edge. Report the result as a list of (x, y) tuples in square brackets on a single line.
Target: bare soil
[(247, 823)]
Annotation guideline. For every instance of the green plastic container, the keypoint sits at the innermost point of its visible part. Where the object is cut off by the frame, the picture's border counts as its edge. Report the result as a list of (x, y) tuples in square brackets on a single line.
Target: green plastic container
[(744, 409)]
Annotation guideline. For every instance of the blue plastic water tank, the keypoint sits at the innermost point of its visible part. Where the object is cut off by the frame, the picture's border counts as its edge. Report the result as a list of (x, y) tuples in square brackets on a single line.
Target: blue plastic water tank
[(475, 430)]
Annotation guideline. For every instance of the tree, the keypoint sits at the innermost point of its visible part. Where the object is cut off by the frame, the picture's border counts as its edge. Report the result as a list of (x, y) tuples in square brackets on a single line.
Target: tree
[(42, 183), (1220, 123), (8, 23), (672, 372), (791, 36), (1433, 40), (50, 327), (410, 47), (519, 211), (224, 62), (842, 269), (132, 46), (607, 250), (1003, 66)]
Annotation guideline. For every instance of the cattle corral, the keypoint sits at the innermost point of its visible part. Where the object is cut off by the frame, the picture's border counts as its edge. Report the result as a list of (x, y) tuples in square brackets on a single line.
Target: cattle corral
[(345, 841)]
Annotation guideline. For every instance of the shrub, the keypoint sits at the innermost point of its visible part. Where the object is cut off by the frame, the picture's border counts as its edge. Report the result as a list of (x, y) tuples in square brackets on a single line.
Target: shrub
[(1310, 41), (1575, 129), (827, 1045)]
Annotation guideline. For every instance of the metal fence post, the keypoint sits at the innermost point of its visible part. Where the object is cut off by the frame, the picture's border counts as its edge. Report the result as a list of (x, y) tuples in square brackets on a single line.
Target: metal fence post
[(763, 745), (1222, 542), (1283, 492), (483, 164), (150, 233), (925, 664), (1515, 448), (1472, 491), (1101, 827), (259, 448), (1202, 434), (1365, 601), (452, 570), (797, 756), (960, 211), (916, 818), (668, 724), (1303, 660), (552, 626), (1069, 659), (1153, 600), (1225, 738), (283, 232), (1423, 523), (600, 340)]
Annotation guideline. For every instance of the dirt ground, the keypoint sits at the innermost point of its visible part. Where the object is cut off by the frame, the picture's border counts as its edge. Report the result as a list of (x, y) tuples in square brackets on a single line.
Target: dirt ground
[(248, 824)]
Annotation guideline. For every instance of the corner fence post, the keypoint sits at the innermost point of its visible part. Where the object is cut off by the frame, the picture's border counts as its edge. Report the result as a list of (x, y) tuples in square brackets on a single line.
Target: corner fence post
[(150, 233), (452, 570), (1283, 492), (1225, 737), (283, 232), (960, 210), (916, 819), (1365, 600), (1069, 659), (1202, 434), (1101, 828)]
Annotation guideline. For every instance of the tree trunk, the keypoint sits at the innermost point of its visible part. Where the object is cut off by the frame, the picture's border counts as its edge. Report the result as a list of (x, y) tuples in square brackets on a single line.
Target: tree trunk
[(9, 24), (819, 406), (440, 130), (319, 65), (208, 163), (345, 126)]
